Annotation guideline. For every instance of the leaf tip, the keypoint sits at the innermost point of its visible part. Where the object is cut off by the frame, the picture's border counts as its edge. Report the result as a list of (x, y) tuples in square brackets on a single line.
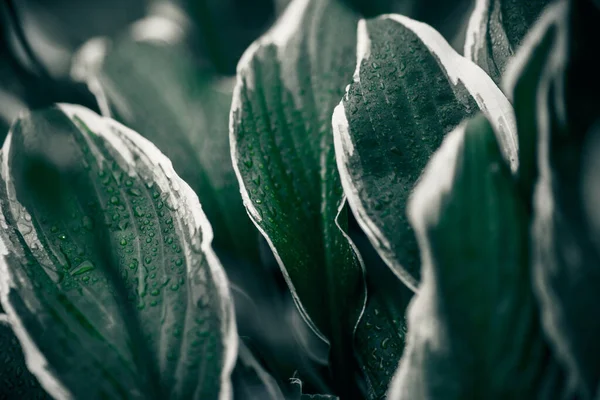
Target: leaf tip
[(363, 47)]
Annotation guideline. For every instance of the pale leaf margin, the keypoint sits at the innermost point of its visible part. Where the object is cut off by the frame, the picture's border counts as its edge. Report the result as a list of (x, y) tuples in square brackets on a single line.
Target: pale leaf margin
[(487, 95), (286, 28), (189, 211), (474, 39)]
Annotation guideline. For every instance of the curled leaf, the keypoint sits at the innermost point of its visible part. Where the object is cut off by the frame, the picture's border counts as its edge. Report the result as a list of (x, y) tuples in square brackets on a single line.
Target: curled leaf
[(108, 277)]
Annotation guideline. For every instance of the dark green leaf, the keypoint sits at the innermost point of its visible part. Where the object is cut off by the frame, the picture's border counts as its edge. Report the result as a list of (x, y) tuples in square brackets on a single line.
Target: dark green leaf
[(496, 30), (288, 84), (567, 221), (410, 89), (474, 322), (108, 277)]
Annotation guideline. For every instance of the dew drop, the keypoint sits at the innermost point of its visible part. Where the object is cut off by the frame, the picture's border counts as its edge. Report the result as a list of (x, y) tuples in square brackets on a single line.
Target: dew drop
[(82, 268), (138, 211), (134, 192)]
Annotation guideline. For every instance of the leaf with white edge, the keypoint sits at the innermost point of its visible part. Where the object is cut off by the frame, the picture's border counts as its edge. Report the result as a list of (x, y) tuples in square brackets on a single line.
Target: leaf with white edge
[(108, 277), (282, 148), (410, 89), (149, 80), (566, 223), (496, 30), (475, 320)]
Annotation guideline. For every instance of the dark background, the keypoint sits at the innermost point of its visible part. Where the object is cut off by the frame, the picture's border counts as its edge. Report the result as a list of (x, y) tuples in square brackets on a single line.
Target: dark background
[(38, 37)]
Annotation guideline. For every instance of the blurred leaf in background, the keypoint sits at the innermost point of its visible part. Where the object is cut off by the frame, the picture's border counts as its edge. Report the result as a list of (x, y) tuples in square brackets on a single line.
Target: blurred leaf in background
[(566, 224), (225, 28)]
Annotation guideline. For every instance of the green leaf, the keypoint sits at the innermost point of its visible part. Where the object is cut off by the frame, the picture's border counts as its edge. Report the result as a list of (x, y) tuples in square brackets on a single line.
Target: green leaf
[(410, 89), (282, 146), (496, 30), (475, 320), (108, 277), (148, 80), (566, 223)]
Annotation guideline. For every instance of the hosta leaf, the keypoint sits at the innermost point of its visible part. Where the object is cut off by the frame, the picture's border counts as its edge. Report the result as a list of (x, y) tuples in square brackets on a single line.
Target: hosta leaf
[(474, 321), (566, 224), (108, 277), (410, 89), (149, 81), (496, 30), (282, 147)]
